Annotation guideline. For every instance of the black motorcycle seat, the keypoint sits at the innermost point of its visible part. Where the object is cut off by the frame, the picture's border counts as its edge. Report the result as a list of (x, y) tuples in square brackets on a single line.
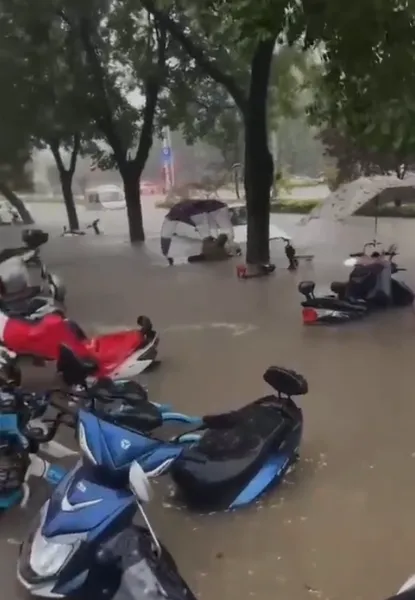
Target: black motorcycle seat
[(306, 287), (23, 308), (142, 416), (131, 391), (286, 381), (232, 447), (34, 238), (74, 369)]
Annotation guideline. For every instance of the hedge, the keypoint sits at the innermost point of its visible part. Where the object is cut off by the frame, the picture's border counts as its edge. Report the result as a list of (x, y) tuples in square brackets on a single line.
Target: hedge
[(300, 207)]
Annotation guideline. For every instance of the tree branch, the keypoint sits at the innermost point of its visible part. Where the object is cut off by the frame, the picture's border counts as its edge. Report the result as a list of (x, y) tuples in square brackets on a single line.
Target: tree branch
[(198, 54), (105, 119), (152, 88), (55, 149), (75, 153)]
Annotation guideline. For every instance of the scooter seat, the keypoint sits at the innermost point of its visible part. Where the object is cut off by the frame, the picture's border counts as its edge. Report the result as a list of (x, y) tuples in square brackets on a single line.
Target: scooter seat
[(306, 288), (232, 449), (130, 391), (23, 308), (142, 416), (286, 381), (74, 369)]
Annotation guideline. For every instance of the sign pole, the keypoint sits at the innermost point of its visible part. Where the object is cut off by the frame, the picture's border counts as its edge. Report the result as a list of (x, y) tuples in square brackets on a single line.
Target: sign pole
[(167, 160)]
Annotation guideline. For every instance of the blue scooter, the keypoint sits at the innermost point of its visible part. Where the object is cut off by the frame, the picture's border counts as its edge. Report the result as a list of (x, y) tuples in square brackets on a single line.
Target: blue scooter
[(70, 548), (23, 432)]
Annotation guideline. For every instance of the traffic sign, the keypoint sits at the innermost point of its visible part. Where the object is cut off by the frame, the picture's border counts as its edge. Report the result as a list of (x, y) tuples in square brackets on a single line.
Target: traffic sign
[(166, 154)]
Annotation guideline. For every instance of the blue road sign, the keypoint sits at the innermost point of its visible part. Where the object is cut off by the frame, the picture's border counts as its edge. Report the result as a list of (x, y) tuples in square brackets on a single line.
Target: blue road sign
[(166, 155)]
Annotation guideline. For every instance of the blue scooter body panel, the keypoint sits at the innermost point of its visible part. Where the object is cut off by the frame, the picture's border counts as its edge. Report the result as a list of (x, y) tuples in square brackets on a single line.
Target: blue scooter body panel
[(272, 472)]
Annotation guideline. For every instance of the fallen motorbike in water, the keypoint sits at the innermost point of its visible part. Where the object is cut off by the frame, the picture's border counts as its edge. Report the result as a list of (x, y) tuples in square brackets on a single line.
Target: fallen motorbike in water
[(119, 355), (343, 306)]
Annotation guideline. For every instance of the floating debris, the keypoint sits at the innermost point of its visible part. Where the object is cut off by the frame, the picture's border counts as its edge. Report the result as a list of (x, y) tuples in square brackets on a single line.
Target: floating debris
[(13, 542), (313, 591)]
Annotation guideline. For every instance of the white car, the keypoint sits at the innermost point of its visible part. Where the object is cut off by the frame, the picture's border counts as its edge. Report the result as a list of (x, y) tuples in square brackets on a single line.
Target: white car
[(238, 218)]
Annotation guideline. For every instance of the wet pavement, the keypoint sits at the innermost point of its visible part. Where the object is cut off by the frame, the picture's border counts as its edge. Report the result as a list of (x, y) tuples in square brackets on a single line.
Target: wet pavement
[(340, 527)]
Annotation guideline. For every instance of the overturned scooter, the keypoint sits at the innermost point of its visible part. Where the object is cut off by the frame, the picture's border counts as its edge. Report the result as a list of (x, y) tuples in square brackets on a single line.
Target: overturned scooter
[(119, 355), (372, 286)]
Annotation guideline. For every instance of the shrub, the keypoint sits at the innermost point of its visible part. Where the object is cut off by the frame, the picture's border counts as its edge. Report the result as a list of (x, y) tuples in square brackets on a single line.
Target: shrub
[(301, 207)]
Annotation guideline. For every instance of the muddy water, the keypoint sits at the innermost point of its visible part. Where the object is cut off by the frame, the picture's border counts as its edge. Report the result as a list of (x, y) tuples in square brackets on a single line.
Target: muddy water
[(341, 526)]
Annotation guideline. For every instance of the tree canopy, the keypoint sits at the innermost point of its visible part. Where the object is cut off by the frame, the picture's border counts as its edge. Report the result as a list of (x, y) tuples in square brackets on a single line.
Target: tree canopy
[(365, 101)]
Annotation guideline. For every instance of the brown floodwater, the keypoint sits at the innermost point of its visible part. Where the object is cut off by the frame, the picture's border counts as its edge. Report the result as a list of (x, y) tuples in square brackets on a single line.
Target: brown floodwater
[(340, 527)]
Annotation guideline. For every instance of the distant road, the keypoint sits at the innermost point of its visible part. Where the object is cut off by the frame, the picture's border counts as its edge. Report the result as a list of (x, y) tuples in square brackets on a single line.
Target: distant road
[(297, 193)]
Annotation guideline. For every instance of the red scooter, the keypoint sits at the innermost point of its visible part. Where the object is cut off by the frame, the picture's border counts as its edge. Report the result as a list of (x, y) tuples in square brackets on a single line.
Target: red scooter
[(120, 355)]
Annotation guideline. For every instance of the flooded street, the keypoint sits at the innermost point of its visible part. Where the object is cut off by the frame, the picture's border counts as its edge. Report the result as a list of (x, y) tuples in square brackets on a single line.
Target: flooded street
[(341, 526)]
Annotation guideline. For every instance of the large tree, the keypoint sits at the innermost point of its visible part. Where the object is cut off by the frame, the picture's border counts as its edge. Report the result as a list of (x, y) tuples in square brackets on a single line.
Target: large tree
[(123, 50), (43, 97), (105, 52), (234, 45), (365, 101)]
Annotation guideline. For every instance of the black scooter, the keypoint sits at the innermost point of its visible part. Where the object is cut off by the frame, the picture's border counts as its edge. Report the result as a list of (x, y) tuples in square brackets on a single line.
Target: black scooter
[(339, 308), (32, 239)]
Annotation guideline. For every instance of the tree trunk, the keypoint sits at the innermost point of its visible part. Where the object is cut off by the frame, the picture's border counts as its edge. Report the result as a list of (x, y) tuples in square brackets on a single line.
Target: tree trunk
[(66, 178), (17, 203), (259, 167), (66, 185), (131, 180)]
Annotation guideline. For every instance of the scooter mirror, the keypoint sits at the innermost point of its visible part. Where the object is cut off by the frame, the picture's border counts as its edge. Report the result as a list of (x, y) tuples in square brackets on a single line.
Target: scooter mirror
[(408, 585), (139, 483), (350, 262)]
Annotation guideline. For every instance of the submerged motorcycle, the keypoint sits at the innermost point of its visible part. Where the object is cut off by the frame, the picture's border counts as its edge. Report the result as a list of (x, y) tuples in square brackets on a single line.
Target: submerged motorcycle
[(31, 302), (340, 307), (226, 461), (84, 542), (92, 549), (32, 239), (120, 355), (23, 433)]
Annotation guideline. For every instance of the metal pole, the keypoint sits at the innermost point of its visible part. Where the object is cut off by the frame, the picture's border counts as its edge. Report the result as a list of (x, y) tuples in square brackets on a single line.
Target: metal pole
[(172, 173), (168, 167), (275, 158)]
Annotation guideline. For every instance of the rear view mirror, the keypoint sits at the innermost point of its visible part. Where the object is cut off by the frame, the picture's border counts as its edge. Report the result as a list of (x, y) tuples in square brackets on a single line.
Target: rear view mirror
[(140, 484)]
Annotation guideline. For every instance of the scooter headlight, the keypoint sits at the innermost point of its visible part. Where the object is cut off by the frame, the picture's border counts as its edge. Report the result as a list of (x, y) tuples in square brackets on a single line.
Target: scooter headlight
[(83, 444), (47, 558), (43, 558)]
